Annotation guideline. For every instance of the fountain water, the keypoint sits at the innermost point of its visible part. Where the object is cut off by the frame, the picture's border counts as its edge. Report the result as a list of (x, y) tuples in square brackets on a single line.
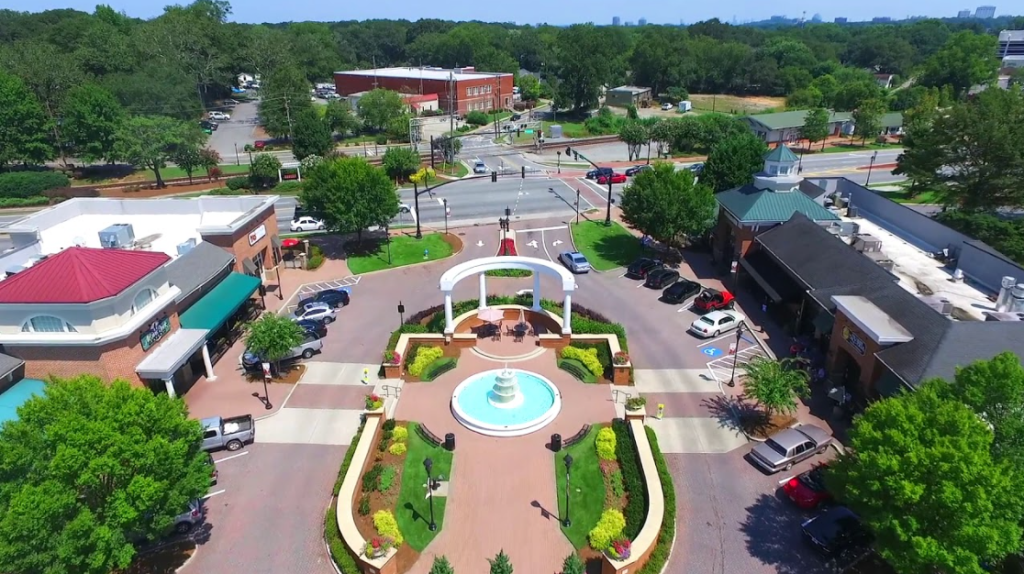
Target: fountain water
[(505, 392), (506, 402)]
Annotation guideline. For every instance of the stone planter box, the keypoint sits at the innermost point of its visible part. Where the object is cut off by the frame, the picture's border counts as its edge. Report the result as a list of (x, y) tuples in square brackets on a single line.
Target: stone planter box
[(392, 371), (620, 374)]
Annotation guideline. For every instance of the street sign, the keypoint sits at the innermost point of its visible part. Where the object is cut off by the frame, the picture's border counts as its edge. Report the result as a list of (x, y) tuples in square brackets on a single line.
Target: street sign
[(529, 131)]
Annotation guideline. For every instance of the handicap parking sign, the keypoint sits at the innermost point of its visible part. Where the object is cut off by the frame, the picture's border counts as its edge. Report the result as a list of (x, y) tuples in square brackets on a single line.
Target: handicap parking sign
[(711, 351)]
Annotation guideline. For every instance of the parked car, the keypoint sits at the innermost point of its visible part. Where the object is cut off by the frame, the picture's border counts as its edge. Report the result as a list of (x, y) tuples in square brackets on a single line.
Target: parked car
[(231, 433), (186, 521), (479, 167), (318, 328), (310, 345), (208, 126), (307, 223), (714, 300), (787, 447), (681, 291), (715, 323), (636, 169), (614, 177), (837, 532), (595, 173), (213, 468), (697, 168), (667, 107), (333, 297), (316, 311), (661, 278), (574, 261), (219, 116), (641, 267), (259, 144), (808, 490)]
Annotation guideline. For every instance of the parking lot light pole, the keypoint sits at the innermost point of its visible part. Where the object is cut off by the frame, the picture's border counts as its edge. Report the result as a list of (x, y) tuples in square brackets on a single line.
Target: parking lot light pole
[(387, 233), (577, 206), (445, 202), (736, 355), (559, 161), (401, 314), (871, 165)]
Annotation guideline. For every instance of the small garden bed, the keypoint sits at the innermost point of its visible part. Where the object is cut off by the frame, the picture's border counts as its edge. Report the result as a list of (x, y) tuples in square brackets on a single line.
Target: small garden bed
[(577, 370), (413, 510), (288, 374), (427, 362), (508, 248)]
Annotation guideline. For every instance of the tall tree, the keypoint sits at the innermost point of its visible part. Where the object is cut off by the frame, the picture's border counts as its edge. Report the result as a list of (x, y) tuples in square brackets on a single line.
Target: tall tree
[(815, 128), (500, 564), (441, 565), (311, 135), (586, 60), (188, 154), (529, 87), (272, 337), (264, 171), (149, 142), (867, 120), (264, 50), (917, 161), (966, 60), (351, 194), (86, 468), (668, 204), (448, 146), (379, 107), (400, 162), (775, 385), (920, 473), (634, 135), (733, 162), (285, 94), (90, 117), (192, 38), (340, 117), (23, 124)]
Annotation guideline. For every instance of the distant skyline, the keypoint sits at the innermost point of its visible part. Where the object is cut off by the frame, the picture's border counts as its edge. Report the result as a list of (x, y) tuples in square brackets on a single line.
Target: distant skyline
[(599, 12)]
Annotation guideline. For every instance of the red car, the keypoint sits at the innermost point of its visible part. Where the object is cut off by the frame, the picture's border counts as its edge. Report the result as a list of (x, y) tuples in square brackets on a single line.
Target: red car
[(616, 178), (260, 144), (714, 300), (808, 490)]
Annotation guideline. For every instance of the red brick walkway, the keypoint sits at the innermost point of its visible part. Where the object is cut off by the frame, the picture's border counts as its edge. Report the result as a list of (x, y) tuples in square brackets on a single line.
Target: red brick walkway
[(503, 489)]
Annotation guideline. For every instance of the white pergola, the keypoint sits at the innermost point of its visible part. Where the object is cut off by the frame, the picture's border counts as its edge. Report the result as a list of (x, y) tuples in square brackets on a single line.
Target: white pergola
[(480, 266)]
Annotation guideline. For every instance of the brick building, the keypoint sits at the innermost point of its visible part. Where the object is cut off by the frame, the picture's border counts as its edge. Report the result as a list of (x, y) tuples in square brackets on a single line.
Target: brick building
[(461, 89)]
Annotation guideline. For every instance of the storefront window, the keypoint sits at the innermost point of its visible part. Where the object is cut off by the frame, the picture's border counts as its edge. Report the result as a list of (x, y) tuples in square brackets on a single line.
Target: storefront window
[(47, 324)]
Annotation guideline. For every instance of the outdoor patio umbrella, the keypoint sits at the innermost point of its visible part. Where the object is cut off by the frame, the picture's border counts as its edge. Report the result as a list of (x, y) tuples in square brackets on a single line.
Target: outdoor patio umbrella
[(522, 317), (490, 315), (289, 243)]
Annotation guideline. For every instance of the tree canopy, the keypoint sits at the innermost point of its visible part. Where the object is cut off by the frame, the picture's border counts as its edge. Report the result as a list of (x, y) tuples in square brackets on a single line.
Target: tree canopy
[(668, 204), (775, 385), (311, 135), (379, 107), (150, 142), (87, 469), (351, 195), (733, 162), (272, 336), (400, 162)]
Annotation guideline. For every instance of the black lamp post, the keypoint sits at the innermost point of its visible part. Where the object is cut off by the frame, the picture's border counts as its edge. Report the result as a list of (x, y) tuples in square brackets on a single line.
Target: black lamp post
[(559, 161), (416, 203), (387, 232), (608, 214), (401, 313), (503, 222), (445, 202), (429, 465), (871, 165), (735, 355), (568, 466), (577, 206)]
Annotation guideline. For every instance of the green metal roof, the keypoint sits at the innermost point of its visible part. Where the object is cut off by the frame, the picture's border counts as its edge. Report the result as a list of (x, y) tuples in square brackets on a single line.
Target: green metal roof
[(221, 302), (795, 119), (749, 204), (892, 120), (781, 154)]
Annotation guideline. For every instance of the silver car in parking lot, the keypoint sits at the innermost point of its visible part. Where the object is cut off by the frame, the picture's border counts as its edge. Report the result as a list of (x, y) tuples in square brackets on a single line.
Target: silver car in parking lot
[(785, 448), (575, 261)]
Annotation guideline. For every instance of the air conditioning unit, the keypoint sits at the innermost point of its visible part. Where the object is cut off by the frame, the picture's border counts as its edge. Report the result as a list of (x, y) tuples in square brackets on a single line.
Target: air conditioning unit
[(186, 246), (998, 316), (940, 304), (882, 260), (867, 243), (117, 236)]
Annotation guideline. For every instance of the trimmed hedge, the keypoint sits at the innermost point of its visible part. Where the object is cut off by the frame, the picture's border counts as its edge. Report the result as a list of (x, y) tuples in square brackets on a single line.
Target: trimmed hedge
[(24, 201), (237, 183), (509, 273), (407, 328), (586, 356), (663, 546), (577, 370), (438, 368), (632, 479), (424, 356), (71, 192), (24, 184), (343, 558)]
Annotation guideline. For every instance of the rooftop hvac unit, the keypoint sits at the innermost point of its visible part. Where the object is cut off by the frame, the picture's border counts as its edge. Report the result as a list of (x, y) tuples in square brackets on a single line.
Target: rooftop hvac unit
[(866, 243), (940, 304), (881, 259), (117, 236), (999, 316), (186, 246), (852, 212)]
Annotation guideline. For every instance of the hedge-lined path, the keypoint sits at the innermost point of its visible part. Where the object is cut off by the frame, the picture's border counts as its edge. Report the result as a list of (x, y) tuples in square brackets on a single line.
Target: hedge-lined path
[(502, 493)]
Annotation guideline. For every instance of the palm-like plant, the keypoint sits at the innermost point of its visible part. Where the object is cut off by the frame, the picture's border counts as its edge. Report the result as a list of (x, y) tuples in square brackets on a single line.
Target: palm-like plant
[(776, 385)]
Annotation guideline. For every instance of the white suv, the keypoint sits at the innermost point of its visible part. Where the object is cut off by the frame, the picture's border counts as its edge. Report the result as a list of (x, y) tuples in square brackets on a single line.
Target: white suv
[(307, 223), (220, 116)]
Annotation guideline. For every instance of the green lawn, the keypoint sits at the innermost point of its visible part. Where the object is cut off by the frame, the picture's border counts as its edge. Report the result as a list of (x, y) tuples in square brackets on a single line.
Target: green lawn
[(458, 169), (586, 496), (853, 146), (413, 509), (570, 129), (171, 172), (405, 250), (605, 247), (925, 196)]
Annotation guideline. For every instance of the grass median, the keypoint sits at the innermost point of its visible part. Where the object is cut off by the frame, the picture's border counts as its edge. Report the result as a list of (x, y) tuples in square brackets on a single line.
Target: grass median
[(413, 508), (404, 249), (586, 489), (605, 247)]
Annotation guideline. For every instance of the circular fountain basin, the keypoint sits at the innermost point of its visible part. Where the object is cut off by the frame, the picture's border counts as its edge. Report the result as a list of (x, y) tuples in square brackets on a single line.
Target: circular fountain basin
[(536, 405)]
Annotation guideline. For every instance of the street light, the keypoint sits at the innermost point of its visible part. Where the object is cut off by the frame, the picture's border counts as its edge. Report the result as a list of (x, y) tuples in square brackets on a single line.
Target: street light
[(736, 355), (568, 466), (445, 202), (429, 464), (416, 203), (559, 161), (871, 165), (401, 313), (608, 214), (577, 206), (387, 233)]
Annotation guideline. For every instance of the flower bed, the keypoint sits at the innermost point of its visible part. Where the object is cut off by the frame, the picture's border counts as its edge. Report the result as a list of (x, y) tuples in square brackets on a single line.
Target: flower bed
[(373, 402), (508, 248), (659, 556)]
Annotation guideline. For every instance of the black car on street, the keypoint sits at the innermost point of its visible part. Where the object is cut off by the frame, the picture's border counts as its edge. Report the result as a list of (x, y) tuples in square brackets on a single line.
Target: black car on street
[(641, 267), (596, 173), (333, 297), (636, 169), (318, 328), (681, 291), (837, 533), (661, 278)]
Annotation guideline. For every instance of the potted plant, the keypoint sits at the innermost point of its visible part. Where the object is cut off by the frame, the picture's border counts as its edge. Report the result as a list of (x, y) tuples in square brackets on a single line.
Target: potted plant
[(392, 358), (620, 549), (378, 546), (635, 403), (374, 402), (620, 358)]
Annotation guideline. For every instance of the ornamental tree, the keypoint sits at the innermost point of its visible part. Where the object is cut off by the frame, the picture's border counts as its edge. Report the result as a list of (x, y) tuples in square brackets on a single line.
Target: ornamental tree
[(272, 337), (441, 566), (379, 106), (920, 473), (733, 162), (867, 119), (500, 564), (150, 142), (264, 171), (87, 469), (668, 204), (573, 564), (775, 385), (311, 135), (351, 194), (400, 162), (815, 128)]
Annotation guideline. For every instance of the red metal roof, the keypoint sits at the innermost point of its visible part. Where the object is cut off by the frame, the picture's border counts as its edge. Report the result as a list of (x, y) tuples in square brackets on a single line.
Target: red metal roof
[(416, 98), (80, 275)]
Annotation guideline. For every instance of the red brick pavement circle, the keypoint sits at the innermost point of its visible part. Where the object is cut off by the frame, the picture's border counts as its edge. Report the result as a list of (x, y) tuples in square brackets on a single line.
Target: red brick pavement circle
[(503, 489)]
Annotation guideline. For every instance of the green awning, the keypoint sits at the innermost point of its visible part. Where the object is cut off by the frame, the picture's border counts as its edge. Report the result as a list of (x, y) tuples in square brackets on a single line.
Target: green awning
[(213, 310), (823, 323)]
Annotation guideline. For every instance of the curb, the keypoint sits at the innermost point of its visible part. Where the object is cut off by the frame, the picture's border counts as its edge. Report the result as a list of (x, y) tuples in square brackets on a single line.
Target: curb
[(284, 403)]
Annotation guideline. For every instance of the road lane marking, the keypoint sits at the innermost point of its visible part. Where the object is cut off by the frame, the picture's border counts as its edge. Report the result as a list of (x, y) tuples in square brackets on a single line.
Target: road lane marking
[(218, 461), (545, 243), (215, 493), (541, 229), (716, 339)]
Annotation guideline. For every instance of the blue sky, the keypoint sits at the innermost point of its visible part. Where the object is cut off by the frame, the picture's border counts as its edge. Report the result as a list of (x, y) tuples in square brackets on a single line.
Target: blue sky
[(535, 11)]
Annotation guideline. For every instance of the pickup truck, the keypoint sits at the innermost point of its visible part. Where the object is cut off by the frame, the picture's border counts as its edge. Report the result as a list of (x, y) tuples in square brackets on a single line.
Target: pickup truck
[(230, 433)]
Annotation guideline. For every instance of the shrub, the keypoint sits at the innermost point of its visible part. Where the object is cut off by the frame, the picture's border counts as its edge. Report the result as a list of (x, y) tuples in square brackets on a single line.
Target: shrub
[(71, 192), (620, 549), (577, 370), (438, 368), (316, 257), (386, 525), (410, 354), (397, 449), (424, 357), (616, 482), (288, 187), (237, 183), (23, 184), (215, 172), (573, 564), (407, 328), (383, 444), (632, 479), (477, 118), (442, 566), (381, 140), (400, 434), (371, 480), (663, 546), (23, 201), (373, 402), (387, 478), (608, 528), (339, 551), (620, 358), (635, 403), (224, 191), (389, 425), (586, 356), (604, 353), (392, 358), (364, 505), (606, 443)]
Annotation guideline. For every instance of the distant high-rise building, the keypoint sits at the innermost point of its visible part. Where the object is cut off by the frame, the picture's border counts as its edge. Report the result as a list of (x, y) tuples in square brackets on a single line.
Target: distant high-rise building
[(985, 12), (963, 14), (816, 18), (881, 19), (629, 22), (841, 20), (616, 21), (641, 22), (777, 19)]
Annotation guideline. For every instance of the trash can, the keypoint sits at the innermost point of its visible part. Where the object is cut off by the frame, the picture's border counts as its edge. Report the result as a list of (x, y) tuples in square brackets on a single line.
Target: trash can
[(449, 442), (556, 442)]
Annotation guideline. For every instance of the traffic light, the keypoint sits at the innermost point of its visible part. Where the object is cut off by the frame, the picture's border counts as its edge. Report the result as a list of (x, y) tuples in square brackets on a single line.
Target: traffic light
[(524, 171), (519, 132), (568, 151), (494, 176), (576, 156)]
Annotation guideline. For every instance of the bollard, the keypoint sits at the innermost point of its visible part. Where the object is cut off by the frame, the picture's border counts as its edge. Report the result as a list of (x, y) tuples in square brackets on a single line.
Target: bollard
[(661, 410), (366, 376), (556, 442)]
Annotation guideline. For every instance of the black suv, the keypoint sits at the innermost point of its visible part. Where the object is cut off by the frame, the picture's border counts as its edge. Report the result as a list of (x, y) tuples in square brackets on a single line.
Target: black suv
[(596, 173), (837, 533), (333, 297), (661, 278), (641, 267), (318, 328)]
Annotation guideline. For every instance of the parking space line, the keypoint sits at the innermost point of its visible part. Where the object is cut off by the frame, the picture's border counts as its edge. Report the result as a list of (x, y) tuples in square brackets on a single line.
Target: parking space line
[(218, 461), (704, 344), (215, 493)]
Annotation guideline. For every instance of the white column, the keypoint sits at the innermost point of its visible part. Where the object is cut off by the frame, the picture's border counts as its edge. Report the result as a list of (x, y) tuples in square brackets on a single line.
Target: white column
[(448, 326), (169, 385), (208, 363), (536, 290), (483, 291), (567, 315)]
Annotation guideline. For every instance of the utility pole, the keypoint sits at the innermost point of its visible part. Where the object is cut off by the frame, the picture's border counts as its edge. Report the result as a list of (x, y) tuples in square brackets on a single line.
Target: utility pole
[(288, 114), (451, 102)]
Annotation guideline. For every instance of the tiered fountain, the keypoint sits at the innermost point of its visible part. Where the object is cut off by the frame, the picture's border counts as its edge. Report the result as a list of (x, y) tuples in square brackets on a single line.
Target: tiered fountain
[(506, 402)]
